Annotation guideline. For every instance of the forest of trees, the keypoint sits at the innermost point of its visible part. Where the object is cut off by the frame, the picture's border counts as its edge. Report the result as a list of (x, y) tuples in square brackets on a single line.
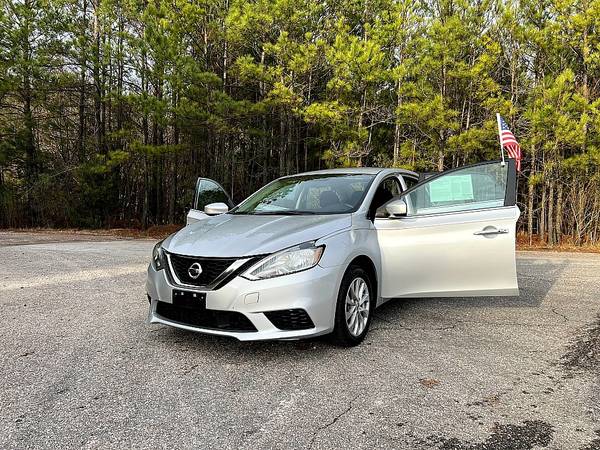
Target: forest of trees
[(110, 109)]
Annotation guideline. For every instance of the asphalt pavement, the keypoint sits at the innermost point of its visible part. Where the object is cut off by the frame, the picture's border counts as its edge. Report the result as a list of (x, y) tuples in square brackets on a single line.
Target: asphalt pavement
[(80, 368)]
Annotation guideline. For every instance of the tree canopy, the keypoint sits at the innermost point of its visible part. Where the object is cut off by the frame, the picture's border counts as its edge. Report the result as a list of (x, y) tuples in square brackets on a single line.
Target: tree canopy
[(110, 109)]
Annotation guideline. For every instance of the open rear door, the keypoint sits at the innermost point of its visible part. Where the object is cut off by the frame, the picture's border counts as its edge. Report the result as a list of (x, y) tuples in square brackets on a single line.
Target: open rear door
[(457, 237), (207, 192)]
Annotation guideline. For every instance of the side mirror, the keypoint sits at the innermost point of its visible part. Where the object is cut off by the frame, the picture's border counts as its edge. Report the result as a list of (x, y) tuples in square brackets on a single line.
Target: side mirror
[(194, 216), (397, 208), (214, 209)]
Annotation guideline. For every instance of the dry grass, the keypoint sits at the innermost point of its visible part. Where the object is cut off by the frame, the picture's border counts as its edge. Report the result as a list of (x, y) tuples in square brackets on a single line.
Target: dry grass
[(154, 232), (566, 245)]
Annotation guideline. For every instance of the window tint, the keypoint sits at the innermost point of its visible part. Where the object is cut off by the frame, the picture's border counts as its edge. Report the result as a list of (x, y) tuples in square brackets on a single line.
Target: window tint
[(481, 186), (210, 192), (387, 190)]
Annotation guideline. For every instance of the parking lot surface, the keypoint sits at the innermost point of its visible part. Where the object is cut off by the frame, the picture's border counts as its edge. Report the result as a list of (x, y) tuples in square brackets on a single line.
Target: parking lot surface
[(81, 369)]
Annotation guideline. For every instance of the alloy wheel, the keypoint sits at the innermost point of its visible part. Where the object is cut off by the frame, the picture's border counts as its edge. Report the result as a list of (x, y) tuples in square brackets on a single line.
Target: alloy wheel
[(357, 306)]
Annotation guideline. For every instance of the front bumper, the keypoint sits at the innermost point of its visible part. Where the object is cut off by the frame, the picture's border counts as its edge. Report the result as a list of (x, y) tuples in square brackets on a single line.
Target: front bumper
[(313, 290)]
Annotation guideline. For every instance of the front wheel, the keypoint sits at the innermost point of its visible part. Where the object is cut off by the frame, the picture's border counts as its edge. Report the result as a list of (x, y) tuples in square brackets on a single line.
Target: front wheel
[(354, 309)]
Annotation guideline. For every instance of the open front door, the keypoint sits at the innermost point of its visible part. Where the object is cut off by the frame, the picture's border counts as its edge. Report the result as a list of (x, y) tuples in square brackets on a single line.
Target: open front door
[(457, 237), (208, 192)]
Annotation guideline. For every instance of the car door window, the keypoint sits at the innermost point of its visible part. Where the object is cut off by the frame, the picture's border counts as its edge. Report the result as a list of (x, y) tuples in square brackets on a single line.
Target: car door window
[(387, 190), (474, 187), (207, 192), (410, 181)]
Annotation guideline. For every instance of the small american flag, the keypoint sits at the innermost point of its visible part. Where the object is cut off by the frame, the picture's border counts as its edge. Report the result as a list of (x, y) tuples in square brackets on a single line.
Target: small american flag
[(509, 142)]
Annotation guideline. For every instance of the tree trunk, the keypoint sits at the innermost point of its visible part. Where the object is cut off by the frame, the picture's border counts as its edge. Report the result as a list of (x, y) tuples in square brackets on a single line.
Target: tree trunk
[(175, 162), (31, 163), (120, 75), (282, 144), (440, 163), (542, 224), (580, 213), (98, 82), (551, 213), (397, 128), (530, 198), (559, 213), (82, 81), (225, 51), (585, 82), (145, 140)]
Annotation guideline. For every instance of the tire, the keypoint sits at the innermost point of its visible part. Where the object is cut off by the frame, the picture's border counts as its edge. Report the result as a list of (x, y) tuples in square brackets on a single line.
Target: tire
[(347, 333)]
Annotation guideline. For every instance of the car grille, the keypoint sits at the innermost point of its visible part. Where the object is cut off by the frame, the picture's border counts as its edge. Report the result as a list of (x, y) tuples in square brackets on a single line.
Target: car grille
[(212, 268), (201, 317), (290, 319)]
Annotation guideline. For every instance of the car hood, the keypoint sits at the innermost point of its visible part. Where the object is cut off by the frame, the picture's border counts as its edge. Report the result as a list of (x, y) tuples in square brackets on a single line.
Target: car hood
[(230, 235)]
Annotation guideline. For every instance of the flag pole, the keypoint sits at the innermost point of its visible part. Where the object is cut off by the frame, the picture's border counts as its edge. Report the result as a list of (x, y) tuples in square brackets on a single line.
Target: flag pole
[(500, 136)]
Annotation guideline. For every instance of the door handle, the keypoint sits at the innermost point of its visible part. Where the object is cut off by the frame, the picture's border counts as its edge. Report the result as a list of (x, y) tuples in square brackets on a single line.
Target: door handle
[(491, 231)]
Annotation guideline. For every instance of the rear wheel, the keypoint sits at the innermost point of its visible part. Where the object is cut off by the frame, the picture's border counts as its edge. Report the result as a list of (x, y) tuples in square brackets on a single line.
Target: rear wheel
[(355, 304)]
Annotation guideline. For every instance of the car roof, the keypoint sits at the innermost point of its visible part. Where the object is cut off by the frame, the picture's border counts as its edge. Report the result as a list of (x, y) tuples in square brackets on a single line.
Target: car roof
[(356, 171)]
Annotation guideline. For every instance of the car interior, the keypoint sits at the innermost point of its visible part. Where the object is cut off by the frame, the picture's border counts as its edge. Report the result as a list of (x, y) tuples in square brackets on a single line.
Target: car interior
[(387, 190)]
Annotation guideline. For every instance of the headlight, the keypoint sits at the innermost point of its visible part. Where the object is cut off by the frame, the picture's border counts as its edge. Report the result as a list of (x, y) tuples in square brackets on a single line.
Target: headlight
[(291, 260), (158, 256)]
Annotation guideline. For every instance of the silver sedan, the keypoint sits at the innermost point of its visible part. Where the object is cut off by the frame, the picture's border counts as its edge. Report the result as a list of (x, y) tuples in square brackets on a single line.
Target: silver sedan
[(316, 253)]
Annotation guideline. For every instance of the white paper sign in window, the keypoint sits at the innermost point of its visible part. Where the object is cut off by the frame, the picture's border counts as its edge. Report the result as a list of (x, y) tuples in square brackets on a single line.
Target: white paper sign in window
[(451, 189)]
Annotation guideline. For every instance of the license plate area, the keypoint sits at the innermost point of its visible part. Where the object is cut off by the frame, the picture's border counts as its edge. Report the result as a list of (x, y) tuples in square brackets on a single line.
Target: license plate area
[(188, 299)]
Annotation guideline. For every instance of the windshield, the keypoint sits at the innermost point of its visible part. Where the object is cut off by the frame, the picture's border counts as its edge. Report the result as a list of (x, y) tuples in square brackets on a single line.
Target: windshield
[(308, 194)]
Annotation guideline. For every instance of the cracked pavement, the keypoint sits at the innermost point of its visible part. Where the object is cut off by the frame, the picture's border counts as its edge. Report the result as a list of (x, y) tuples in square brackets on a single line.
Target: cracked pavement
[(80, 368)]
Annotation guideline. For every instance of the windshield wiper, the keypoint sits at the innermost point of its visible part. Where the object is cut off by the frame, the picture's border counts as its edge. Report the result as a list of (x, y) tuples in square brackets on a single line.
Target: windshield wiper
[(290, 212)]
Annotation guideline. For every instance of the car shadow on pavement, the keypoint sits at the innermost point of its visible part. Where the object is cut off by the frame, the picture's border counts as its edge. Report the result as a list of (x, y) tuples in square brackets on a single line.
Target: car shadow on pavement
[(536, 279), (244, 351)]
